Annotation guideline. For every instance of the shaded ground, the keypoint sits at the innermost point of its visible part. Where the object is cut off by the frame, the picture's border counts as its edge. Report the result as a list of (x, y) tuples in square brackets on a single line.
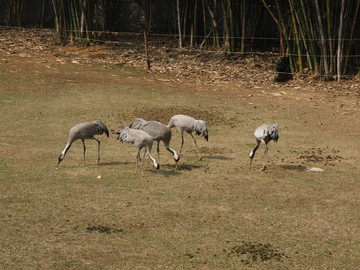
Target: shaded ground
[(218, 213)]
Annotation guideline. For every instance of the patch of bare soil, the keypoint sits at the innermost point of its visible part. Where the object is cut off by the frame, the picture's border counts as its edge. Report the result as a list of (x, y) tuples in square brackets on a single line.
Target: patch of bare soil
[(251, 252), (326, 156), (163, 114)]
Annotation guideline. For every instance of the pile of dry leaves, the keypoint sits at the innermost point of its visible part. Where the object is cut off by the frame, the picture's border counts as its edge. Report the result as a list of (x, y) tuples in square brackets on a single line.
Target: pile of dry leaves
[(206, 64)]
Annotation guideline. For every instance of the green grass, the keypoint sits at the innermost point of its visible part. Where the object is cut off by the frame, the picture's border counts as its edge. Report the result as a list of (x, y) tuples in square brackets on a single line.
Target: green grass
[(193, 218)]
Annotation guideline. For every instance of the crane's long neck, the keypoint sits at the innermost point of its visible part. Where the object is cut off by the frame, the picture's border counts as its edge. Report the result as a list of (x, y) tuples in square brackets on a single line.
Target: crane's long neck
[(173, 152), (253, 151), (156, 164), (67, 147), (63, 153)]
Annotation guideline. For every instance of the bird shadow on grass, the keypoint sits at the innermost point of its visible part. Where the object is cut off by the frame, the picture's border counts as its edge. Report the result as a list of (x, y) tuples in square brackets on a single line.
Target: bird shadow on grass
[(218, 157), (168, 170), (294, 168), (189, 167), (99, 164), (114, 163), (165, 173)]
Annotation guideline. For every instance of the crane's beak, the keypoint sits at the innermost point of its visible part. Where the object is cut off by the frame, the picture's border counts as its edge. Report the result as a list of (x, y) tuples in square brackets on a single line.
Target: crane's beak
[(206, 135), (59, 160)]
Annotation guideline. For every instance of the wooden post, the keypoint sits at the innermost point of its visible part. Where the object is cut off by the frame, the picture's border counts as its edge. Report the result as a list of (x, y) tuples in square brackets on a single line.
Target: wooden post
[(146, 51)]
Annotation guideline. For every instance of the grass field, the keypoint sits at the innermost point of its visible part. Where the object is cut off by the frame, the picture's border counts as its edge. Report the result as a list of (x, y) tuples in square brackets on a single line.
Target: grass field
[(218, 213)]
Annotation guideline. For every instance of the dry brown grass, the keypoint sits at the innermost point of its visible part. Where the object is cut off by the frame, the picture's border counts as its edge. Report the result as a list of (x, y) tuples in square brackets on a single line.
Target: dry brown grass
[(218, 213)]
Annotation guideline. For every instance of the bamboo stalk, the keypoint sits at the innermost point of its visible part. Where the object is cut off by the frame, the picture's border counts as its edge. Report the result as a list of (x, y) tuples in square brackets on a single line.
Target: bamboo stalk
[(308, 37), (322, 39), (243, 26), (230, 12), (179, 23), (329, 34), (146, 32), (340, 41), (226, 29), (352, 31), (42, 13), (283, 27), (296, 35), (194, 25), (214, 25)]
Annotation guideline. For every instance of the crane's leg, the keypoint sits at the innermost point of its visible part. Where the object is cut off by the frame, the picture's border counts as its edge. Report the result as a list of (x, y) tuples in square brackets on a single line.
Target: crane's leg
[(84, 149), (265, 157), (137, 160), (98, 149), (182, 142), (142, 164), (158, 150), (253, 151), (197, 149)]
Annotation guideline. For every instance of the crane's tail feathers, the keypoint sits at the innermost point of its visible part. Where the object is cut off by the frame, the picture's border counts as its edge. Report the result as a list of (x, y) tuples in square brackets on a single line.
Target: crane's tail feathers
[(137, 124), (124, 136)]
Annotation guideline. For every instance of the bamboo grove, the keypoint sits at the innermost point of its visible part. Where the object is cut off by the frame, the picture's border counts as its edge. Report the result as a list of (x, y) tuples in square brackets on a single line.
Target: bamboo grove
[(319, 37)]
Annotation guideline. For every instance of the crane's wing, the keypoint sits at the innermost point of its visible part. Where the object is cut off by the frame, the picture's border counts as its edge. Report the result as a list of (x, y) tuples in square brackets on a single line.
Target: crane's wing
[(261, 132), (201, 129)]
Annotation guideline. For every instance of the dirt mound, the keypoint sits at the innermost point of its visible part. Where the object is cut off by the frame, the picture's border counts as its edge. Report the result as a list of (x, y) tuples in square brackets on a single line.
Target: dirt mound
[(327, 156), (251, 252)]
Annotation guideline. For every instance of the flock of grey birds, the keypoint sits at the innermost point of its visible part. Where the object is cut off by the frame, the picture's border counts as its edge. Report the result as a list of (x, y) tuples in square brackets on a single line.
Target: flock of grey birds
[(143, 133)]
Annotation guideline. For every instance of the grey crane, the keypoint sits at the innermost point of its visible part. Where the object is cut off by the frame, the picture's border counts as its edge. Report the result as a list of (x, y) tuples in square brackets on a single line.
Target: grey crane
[(159, 132), (264, 134), (83, 131), (140, 139), (189, 124)]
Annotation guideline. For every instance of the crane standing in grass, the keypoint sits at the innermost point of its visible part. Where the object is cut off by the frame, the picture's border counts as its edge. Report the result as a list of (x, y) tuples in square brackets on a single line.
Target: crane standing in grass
[(159, 132), (189, 124), (83, 131), (264, 134), (140, 139)]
